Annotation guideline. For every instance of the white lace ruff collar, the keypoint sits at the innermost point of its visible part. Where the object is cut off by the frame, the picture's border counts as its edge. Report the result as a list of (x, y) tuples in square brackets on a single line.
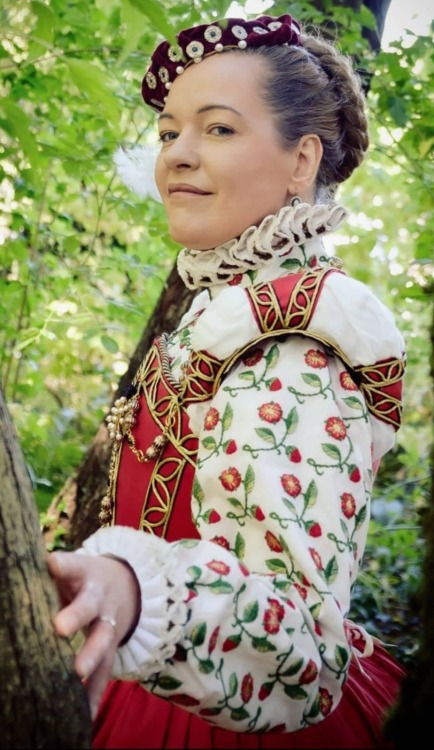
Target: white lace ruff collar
[(277, 236)]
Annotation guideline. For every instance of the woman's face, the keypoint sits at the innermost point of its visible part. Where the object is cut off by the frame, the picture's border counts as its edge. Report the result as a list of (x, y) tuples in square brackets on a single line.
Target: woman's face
[(221, 167)]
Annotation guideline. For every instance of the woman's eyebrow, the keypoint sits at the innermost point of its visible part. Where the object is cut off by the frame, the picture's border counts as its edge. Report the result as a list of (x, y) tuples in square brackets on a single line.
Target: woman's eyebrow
[(201, 110)]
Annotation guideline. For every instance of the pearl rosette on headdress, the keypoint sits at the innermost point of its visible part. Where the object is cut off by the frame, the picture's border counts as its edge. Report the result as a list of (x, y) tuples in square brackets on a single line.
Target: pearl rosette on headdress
[(194, 44)]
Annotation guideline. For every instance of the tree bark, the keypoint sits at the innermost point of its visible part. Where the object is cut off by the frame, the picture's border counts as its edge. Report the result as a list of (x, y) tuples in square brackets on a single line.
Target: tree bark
[(42, 702)]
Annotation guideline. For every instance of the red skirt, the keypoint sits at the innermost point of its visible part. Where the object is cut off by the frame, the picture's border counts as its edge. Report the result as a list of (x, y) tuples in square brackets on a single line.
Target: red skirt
[(131, 717)]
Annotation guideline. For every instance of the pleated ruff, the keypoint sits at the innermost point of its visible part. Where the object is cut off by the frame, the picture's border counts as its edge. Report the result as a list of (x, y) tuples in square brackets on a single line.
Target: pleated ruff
[(131, 717)]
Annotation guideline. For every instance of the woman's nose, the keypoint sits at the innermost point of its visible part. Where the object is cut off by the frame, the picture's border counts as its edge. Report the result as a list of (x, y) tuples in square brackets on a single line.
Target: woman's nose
[(182, 153)]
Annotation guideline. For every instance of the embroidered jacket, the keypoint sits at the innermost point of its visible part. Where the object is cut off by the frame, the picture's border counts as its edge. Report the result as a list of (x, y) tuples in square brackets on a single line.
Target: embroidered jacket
[(245, 625)]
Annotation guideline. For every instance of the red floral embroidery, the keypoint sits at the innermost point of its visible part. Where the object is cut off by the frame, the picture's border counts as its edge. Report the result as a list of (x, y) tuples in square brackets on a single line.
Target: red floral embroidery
[(212, 516), (325, 701), (253, 357), (230, 447), (336, 428), (314, 529), (244, 570), (213, 639), (274, 385), (315, 358), (354, 473), (231, 643), (347, 382), (273, 542), (316, 558), (258, 513), (312, 262), (290, 484), (273, 616), (219, 567), (348, 505), (211, 419), (182, 699), (221, 541), (295, 456), (230, 478), (270, 412), (309, 674), (235, 280), (247, 688), (264, 690), (302, 591)]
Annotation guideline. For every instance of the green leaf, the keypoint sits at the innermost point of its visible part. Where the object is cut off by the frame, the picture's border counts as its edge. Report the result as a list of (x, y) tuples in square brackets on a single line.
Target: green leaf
[(20, 126), (209, 443), (240, 546), (198, 634), (265, 434), (247, 375), (250, 612), (194, 571), (276, 566), (291, 420), (360, 516), (233, 685), (262, 645), (198, 492), (235, 503), (206, 666), (331, 451), (220, 587), (109, 344), (311, 494), (238, 714), (353, 403), (272, 356), (295, 692), (155, 12), (331, 570), (249, 480), (134, 30), (293, 669), (95, 84), (168, 683), (227, 416), (42, 35), (341, 656), (311, 379)]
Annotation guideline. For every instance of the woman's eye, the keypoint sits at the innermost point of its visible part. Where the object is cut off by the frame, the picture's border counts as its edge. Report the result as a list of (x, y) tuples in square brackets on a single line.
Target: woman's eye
[(167, 136), (221, 130)]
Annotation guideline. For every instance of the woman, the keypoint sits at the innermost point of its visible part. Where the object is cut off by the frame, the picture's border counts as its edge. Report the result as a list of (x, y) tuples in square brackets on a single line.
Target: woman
[(248, 441)]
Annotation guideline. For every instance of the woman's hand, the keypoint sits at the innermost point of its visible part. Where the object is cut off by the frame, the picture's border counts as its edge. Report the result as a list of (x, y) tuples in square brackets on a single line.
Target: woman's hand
[(101, 597)]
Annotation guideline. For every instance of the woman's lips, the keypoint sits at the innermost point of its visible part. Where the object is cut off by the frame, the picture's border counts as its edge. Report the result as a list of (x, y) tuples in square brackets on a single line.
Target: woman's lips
[(183, 189)]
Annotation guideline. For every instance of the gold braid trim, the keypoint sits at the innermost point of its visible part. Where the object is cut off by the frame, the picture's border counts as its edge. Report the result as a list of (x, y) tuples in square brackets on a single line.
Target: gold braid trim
[(301, 304), (375, 382)]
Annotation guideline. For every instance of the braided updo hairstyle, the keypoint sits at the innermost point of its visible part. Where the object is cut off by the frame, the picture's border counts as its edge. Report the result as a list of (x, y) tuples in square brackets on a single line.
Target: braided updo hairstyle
[(314, 89)]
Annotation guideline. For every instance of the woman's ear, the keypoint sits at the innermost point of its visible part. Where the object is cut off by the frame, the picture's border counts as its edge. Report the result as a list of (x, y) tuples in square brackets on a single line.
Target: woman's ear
[(308, 155)]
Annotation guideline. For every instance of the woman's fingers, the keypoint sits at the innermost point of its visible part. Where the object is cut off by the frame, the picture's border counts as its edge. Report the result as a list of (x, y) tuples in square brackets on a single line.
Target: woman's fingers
[(100, 644), (100, 662)]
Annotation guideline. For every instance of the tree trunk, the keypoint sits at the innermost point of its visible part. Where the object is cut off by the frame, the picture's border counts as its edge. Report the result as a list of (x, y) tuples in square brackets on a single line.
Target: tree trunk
[(77, 505), (42, 702)]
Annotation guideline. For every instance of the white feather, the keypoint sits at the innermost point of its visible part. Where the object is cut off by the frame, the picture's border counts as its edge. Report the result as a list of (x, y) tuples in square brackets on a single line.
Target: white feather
[(135, 167)]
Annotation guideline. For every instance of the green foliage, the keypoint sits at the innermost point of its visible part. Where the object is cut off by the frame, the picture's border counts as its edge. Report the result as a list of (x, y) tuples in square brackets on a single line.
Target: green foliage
[(83, 261)]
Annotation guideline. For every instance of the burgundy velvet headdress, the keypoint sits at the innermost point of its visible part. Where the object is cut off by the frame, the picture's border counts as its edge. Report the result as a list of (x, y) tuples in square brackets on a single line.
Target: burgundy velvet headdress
[(169, 61)]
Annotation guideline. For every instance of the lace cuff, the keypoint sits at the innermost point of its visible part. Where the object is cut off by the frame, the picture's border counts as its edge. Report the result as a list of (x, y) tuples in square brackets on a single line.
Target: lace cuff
[(163, 608)]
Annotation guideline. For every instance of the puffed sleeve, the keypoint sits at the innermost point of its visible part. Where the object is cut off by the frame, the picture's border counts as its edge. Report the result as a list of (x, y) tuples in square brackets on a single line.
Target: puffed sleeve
[(281, 500)]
